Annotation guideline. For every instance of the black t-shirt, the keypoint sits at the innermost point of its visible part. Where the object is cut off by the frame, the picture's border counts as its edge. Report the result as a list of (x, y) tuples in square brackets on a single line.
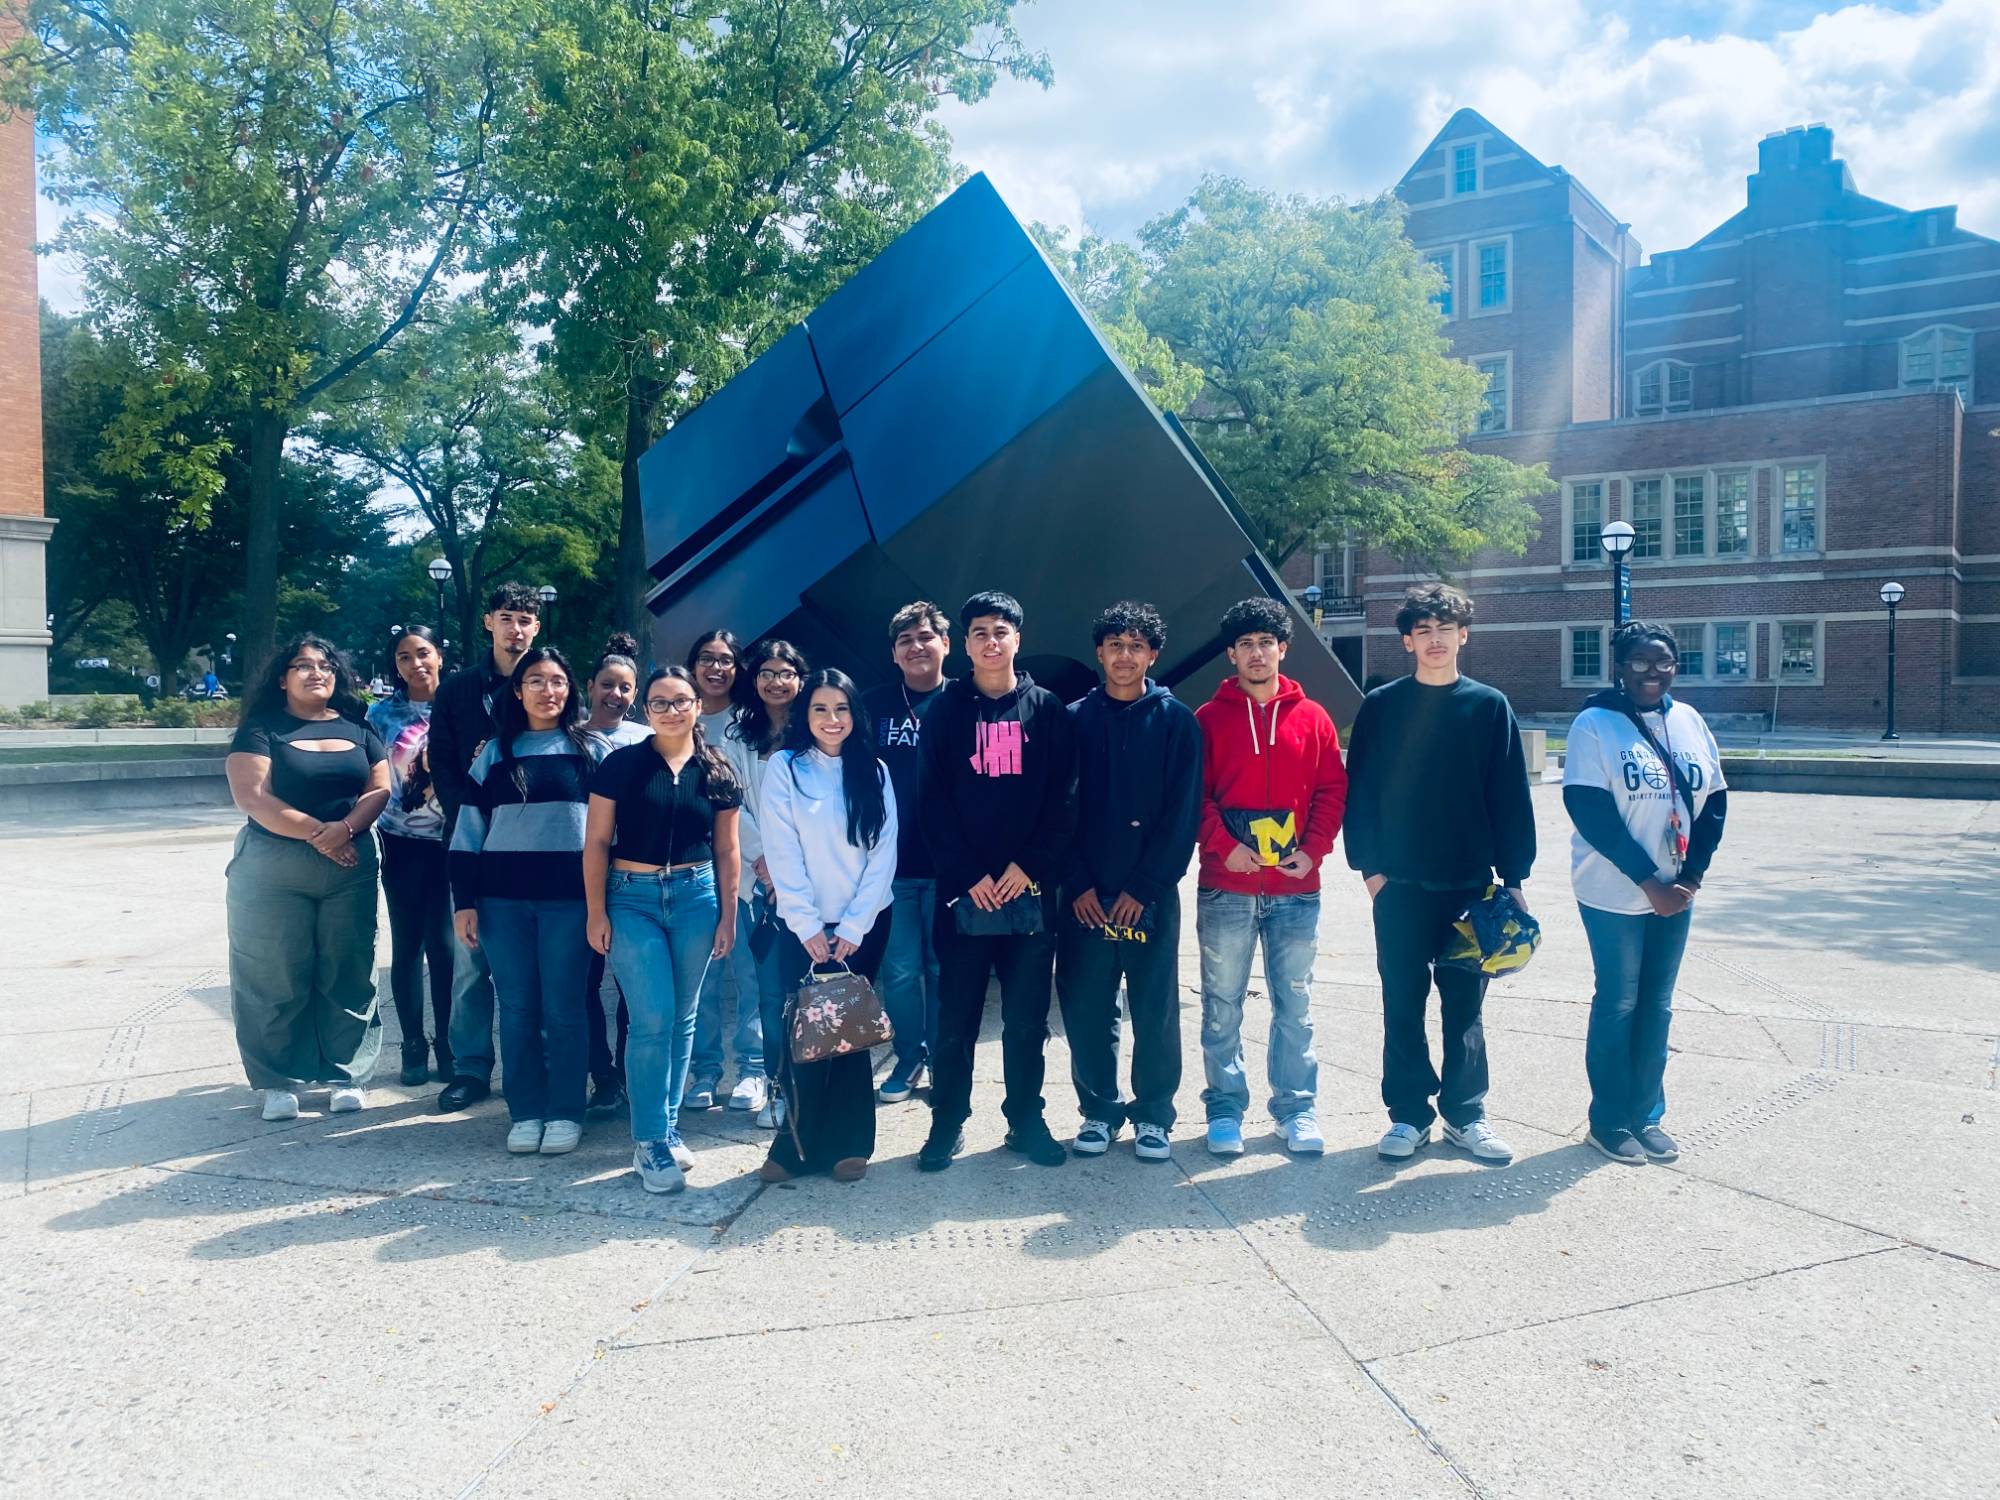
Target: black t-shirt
[(899, 722), (664, 817), (322, 784)]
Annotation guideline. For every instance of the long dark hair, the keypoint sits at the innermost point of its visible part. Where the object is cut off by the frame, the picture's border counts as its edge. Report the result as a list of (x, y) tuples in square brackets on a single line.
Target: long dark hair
[(753, 714), (422, 633), (513, 715), (268, 697), (715, 765), (861, 774)]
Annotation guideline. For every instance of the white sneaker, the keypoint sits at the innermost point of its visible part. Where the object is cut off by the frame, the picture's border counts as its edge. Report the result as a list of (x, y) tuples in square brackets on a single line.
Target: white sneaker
[(1149, 1143), (1094, 1138), (677, 1148), (657, 1169), (772, 1115), (1302, 1137), (280, 1104), (753, 1092), (1401, 1142), (1481, 1139), (346, 1101), (525, 1137), (560, 1136)]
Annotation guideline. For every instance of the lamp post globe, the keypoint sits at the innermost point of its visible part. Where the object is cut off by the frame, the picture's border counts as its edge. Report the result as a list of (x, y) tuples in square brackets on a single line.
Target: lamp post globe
[(440, 571), (1892, 595), (547, 594), (1312, 595), (1616, 539)]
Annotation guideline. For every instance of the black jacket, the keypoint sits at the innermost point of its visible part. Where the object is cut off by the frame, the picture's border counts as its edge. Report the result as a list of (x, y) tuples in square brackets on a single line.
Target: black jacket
[(464, 716), (1138, 795), (999, 776)]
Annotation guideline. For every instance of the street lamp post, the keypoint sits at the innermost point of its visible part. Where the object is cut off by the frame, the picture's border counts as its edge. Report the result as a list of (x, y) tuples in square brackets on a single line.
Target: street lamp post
[(440, 571), (1892, 595), (547, 594), (1313, 595), (1616, 540), (389, 657)]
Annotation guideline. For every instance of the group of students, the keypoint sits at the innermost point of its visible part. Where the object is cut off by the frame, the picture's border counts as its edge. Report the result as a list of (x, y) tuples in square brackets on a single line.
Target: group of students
[(761, 824)]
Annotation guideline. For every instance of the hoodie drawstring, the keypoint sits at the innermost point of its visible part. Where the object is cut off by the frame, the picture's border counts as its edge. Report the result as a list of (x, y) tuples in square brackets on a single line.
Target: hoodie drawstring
[(1250, 708)]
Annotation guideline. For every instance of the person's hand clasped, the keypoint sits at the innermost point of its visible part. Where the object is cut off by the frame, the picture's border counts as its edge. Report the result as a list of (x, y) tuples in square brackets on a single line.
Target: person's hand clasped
[(985, 895), (1520, 899), (817, 948), (1668, 900), (599, 933), (1127, 910), (332, 839), (1013, 880), (843, 950), (1088, 909), (466, 925), (1243, 860), (1298, 864)]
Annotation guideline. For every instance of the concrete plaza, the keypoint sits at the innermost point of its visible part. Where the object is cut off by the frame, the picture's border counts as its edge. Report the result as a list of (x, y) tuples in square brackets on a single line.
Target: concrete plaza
[(197, 1303)]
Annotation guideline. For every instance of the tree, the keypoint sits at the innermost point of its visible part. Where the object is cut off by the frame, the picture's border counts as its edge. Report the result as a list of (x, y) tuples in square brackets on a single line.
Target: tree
[(269, 192), (695, 178), (460, 423), (1107, 276), (1330, 403)]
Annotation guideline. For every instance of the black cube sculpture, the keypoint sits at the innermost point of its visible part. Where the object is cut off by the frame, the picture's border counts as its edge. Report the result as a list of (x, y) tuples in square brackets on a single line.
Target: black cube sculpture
[(950, 421)]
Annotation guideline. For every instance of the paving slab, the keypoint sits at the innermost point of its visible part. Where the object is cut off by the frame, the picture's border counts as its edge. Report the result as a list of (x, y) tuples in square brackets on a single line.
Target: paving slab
[(1097, 1396), (250, 1338), (1868, 1376)]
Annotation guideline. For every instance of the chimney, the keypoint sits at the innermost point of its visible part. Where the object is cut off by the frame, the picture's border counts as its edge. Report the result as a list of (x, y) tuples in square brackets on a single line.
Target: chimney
[(1796, 170)]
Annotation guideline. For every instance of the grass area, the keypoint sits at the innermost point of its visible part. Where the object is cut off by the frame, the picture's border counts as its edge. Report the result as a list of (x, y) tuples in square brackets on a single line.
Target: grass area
[(63, 755)]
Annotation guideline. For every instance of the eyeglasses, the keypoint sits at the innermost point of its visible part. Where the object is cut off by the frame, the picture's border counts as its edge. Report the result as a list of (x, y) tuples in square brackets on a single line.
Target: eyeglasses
[(715, 661), (781, 674), (669, 705)]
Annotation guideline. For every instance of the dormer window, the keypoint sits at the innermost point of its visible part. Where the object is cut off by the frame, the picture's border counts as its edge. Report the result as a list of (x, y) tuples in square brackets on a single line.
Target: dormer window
[(1664, 385), (1939, 357), (1464, 169)]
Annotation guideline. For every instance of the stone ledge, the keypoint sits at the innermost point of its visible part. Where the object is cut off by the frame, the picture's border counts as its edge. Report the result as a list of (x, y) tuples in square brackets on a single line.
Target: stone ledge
[(1976, 780)]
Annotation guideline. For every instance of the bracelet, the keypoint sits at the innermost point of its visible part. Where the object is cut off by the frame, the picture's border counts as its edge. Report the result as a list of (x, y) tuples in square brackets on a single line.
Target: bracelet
[(351, 834)]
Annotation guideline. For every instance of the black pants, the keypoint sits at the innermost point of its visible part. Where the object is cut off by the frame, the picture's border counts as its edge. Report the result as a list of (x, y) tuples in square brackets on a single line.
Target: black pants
[(1088, 968), (830, 1105), (419, 897), (1025, 967), (1411, 925), (605, 1065)]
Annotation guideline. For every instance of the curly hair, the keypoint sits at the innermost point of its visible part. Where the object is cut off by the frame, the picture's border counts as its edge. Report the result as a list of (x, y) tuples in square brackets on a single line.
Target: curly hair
[(268, 696), (1433, 601), (1133, 616), (1633, 634), (1260, 616), (515, 597)]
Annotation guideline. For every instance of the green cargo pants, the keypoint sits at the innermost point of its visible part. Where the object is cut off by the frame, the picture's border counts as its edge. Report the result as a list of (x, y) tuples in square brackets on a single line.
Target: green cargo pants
[(302, 962)]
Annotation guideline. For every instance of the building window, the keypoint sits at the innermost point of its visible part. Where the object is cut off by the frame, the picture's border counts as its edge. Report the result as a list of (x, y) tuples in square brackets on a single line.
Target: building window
[(1664, 385), (1492, 263), (1586, 653), (1732, 652), (1464, 169), (1496, 414), (1692, 655), (1690, 515), (1732, 513), (1798, 650), (1798, 518), (1586, 519), (1939, 357), (1646, 513), (1445, 263)]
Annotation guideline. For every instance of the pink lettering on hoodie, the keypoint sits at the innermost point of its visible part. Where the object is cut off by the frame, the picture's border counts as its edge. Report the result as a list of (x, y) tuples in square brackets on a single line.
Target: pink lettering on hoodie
[(997, 748)]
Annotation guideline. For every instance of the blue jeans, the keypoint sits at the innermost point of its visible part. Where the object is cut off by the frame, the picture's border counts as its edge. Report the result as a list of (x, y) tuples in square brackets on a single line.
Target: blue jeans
[(471, 1030), (1636, 959), (540, 955), (910, 972), (736, 975), (662, 936), (1228, 926)]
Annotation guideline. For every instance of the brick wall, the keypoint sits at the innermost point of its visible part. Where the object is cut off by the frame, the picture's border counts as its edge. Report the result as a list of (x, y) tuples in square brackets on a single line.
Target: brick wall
[(20, 325)]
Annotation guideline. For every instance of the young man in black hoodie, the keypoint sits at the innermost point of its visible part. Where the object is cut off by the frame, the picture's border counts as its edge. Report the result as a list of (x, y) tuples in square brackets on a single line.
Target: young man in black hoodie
[(998, 773), (1138, 797), (464, 717), (1437, 801)]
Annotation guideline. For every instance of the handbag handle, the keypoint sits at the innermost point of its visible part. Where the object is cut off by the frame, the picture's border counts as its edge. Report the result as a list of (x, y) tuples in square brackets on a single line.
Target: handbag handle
[(813, 975)]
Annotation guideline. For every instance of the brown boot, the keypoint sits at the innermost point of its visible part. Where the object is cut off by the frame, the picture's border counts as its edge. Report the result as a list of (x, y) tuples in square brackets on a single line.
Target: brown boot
[(772, 1171), (850, 1169)]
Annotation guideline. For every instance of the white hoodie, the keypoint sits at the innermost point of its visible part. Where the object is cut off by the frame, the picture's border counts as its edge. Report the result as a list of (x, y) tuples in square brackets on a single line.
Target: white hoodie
[(821, 879)]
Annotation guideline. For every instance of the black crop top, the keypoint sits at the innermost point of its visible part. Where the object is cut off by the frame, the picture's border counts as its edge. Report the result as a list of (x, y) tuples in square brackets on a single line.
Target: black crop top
[(322, 784), (663, 818)]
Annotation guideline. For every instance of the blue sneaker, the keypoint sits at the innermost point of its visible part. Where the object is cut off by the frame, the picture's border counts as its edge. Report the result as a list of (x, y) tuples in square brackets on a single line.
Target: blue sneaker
[(657, 1169), (677, 1148), (901, 1082), (1225, 1137)]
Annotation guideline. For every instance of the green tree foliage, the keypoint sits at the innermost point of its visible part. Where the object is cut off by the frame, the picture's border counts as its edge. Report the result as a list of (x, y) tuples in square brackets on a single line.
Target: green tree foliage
[(269, 190), (1327, 395), (693, 178)]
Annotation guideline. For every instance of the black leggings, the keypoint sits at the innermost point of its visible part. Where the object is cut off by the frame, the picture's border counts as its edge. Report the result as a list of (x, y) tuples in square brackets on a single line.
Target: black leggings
[(419, 896), (606, 1065)]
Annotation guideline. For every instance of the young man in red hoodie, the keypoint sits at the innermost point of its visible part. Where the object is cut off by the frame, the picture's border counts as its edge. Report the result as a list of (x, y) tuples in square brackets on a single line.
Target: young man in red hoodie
[(1273, 789)]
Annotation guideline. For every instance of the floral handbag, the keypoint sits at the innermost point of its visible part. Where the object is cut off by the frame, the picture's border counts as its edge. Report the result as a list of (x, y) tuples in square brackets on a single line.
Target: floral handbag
[(836, 1013)]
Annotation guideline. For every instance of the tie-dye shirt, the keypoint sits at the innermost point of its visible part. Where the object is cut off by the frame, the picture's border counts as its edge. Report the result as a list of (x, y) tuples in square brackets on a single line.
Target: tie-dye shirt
[(405, 727)]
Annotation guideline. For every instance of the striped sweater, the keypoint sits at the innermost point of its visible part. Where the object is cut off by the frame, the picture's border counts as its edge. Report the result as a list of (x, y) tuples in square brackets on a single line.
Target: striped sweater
[(524, 847)]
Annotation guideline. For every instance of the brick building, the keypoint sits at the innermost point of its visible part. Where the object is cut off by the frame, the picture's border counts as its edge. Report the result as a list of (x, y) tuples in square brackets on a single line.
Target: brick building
[(1795, 409), (24, 530)]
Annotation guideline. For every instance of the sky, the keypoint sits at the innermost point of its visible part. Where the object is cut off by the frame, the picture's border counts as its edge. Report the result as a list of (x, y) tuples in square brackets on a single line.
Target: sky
[(1657, 108)]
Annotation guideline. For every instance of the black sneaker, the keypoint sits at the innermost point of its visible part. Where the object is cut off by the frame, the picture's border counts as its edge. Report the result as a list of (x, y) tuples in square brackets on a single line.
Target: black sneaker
[(607, 1096), (1619, 1145), (939, 1149), (462, 1093), (1656, 1143), (1034, 1142)]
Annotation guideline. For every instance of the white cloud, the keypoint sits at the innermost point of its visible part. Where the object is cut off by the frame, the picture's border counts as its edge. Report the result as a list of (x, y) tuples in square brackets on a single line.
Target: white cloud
[(1301, 95)]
